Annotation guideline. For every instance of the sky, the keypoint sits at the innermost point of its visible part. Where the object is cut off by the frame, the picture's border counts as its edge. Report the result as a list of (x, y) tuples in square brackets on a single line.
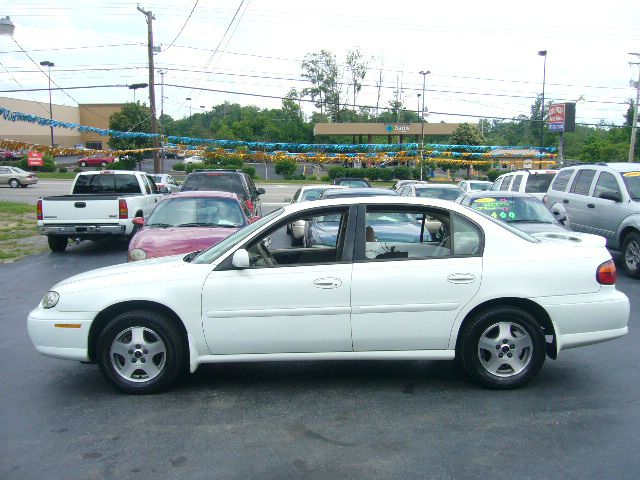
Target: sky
[(483, 56)]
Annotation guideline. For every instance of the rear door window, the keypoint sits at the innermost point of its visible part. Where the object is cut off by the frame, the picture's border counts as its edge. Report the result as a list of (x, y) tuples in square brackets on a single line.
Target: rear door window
[(506, 183), (516, 183), (561, 181), (582, 182)]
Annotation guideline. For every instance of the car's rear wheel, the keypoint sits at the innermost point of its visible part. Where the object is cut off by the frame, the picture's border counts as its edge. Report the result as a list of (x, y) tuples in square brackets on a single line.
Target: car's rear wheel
[(141, 352), (103, 164), (83, 164), (502, 347), (631, 255), (14, 183), (57, 243)]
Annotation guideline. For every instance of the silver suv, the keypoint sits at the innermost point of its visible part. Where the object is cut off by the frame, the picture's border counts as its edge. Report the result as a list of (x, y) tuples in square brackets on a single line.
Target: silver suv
[(603, 199), (535, 182)]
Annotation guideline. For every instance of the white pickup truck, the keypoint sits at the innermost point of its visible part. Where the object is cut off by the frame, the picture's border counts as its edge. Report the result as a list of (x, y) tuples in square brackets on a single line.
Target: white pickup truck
[(101, 204)]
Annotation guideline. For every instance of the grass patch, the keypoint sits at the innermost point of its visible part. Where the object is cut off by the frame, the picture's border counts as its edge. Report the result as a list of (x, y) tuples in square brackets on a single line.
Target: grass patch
[(57, 175), (19, 235)]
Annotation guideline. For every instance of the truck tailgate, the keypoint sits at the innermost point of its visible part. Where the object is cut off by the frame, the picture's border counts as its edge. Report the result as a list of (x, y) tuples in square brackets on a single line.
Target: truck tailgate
[(90, 209)]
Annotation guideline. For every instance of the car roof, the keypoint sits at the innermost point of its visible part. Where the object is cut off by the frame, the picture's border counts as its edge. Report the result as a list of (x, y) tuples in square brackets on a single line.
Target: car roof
[(204, 193), (477, 181), (324, 185), (436, 185), (496, 193), (621, 167), (359, 192)]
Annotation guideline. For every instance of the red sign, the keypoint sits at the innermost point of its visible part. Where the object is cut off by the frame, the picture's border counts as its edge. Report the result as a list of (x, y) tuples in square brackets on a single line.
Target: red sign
[(556, 117), (34, 159)]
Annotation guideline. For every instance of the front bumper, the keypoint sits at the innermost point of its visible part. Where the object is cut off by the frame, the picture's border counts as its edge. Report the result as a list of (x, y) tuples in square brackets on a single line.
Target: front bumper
[(82, 229), (52, 335), (581, 320)]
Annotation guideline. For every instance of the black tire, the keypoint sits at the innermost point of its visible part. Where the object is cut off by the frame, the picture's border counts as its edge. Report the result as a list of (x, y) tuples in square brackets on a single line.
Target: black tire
[(631, 254), (14, 183), (24, 186), (57, 243), (486, 366), (166, 366)]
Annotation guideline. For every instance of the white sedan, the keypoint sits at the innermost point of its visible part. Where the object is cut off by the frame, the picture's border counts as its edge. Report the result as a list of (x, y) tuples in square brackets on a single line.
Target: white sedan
[(394, 278)]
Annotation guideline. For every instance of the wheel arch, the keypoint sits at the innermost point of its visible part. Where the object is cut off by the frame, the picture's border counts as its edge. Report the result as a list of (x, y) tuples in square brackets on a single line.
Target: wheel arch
[(626, 231), (103, 317), (525, 304)]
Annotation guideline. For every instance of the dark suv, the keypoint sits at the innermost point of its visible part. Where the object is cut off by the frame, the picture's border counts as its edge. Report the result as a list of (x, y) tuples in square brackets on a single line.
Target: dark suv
[(234, 181)]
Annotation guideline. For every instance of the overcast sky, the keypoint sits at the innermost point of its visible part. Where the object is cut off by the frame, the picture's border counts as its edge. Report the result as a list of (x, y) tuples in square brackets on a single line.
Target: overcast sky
[(483, 56)]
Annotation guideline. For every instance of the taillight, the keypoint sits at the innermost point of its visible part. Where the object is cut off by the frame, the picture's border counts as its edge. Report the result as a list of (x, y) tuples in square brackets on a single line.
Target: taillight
[(249, 204), (123, 210), (606, 273), (39, 210)]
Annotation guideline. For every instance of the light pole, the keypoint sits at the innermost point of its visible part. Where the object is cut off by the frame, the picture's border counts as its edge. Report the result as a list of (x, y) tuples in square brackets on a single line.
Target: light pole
[(48, 64), (136, 86), (424, 74), (634, 122), (542, 53), (189, 100)]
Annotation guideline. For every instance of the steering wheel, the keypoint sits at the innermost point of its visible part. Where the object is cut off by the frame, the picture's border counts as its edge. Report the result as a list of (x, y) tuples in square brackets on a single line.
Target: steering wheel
[(265, 254)]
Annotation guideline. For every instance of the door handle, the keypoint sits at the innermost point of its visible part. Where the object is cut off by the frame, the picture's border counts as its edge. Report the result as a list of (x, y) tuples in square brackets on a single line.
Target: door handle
[(590, 205), (461, 278), (565, 201), (327, 282)]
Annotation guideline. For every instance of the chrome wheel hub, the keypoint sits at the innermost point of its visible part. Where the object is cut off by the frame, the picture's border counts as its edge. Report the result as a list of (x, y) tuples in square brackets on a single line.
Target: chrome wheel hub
[(632, 255), (138, 354), (505, 349)]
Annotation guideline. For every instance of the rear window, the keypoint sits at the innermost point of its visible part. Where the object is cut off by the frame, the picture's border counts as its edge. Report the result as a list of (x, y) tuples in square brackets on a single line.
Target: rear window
[(562, 180), (582, 182), (539, 182), (516, 183), (215, 181), (106, 183)]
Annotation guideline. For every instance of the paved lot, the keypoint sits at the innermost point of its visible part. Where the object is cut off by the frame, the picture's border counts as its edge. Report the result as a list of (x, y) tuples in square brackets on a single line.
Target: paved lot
[(579, 418)]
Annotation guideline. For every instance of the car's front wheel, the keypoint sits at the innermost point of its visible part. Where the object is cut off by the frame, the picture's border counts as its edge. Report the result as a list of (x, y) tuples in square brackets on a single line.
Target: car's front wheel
[(141, 352), (502, 347), (631, 255)]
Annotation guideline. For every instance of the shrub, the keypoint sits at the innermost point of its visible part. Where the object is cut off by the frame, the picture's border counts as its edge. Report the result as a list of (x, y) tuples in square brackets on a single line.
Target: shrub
[(386, 174), (77, 169), (191, 167), (250, 170), (402, 172), (313, 178), (325, 178), (337, 172), (178, 167), (286, 167), (124, 163), (62, 169), (493, 174)]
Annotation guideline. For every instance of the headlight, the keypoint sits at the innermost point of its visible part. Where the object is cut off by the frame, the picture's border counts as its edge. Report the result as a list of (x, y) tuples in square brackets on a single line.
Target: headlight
[(50, 300), (138, 254)]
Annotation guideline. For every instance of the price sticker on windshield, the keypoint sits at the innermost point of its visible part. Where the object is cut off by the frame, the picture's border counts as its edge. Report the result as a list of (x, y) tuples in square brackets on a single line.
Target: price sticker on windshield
[(631, 174)]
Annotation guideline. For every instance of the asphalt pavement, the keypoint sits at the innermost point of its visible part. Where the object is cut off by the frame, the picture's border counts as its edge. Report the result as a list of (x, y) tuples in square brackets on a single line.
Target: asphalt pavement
[(579, 419)]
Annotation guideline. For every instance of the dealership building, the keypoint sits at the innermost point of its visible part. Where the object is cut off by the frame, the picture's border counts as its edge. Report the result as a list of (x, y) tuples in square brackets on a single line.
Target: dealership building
[(87, 114)]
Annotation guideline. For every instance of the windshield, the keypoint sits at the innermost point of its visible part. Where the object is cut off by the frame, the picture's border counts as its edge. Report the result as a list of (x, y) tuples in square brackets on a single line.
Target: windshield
[(354, 183), (632, 181), (19, 170), (480, 186), (197, 212), (223, 182), (539, 182), (513, 209), (211, 254), (436, 192), (506, 226), (312, 194)]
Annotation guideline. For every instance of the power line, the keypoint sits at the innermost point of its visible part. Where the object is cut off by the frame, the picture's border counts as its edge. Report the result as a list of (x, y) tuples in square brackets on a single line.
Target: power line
[(184, 25), (86, 47)]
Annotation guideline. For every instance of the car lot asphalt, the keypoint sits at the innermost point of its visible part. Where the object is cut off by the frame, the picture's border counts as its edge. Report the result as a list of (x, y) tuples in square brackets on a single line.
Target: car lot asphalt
[(579, 418)]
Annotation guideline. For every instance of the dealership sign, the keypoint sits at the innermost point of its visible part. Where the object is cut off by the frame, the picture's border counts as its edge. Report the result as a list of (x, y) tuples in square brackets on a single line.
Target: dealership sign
[(398, 127), (35, 159), (562, 117)]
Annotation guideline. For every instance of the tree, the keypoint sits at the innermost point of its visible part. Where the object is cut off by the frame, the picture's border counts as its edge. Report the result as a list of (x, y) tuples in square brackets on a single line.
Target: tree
[(134, 117), (321, 69), (357, 67), (467, 134), (286, 167)]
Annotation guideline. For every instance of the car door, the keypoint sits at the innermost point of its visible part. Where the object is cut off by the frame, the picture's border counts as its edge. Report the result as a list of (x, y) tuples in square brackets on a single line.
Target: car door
[(576, 199), (606, 215), (291, 299), (412, 278)]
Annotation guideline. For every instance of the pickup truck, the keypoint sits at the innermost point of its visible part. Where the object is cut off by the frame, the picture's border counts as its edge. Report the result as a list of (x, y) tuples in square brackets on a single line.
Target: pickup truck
[(102, 204)]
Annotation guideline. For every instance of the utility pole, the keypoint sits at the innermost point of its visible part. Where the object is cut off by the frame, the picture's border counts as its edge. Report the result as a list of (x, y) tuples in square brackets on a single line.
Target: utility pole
[(424, 74), (634, 123), (152, 90)]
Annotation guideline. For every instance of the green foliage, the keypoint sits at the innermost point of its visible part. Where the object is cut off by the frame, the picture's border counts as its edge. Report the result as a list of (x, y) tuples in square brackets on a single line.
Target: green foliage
[(178, 167), (337, 172), (385, 174), (286, 167), (62, 169), (77, 170), (325, 178), (124, 164), (402, 172), (48, 166), (134, 117), (467, 134), (250, 170), (493, 174)]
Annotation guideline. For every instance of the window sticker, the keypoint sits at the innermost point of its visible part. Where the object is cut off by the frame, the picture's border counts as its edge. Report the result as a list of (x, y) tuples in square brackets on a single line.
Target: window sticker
[(631, 174), (498, 208)]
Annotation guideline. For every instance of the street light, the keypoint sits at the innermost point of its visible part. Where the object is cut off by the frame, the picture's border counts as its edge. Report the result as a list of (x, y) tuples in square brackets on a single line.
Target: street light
[(424, 74), (542, 53), (189, 100), (48, 64), (136, 86), (6, 26)]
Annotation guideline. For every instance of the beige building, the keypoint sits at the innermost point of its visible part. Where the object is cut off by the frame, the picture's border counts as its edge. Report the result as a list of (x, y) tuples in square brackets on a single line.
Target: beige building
[(395, 132), (91, 115)]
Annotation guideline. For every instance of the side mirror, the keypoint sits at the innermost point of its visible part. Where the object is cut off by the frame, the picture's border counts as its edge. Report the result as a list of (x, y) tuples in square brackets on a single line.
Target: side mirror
[(616, 197), (138, 221), (261, 191), (240, 259)]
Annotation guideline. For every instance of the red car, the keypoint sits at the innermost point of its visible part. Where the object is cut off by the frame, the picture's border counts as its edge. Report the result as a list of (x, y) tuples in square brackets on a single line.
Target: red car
[(96, 161), (187, 222)]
